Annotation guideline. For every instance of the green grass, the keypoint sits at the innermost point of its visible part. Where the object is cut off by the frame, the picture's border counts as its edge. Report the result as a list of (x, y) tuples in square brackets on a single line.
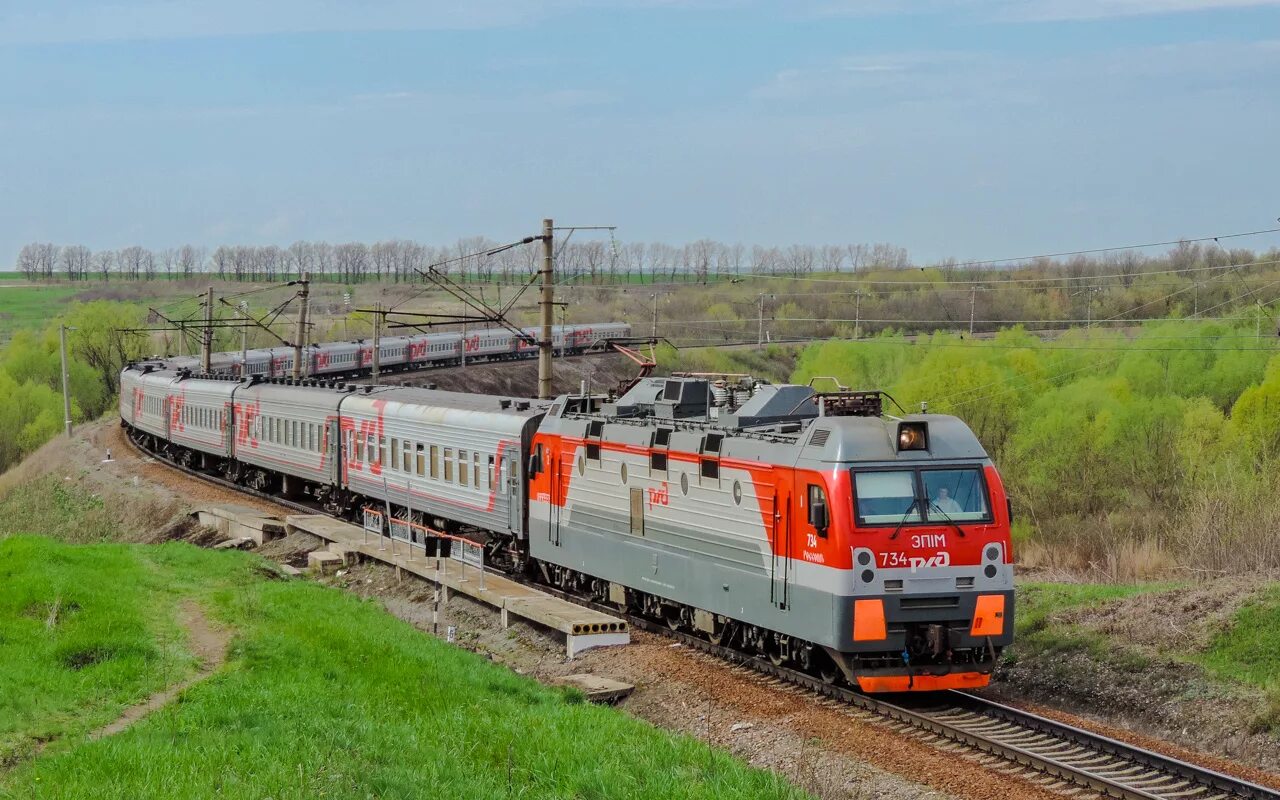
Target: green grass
[(1248, 651), (31, 307), (60, 509), (323, 695), (1036, 632), (83, 634)]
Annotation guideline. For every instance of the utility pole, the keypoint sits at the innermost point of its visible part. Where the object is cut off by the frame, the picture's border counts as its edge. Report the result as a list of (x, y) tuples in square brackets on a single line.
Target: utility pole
[(760, 326), (548, 298), (377, 342), (206, 341), (1090, 292), (300, 341), (653, 332), (973, 299), (244, 338), (464, 336), (857, 314), (66, 392)]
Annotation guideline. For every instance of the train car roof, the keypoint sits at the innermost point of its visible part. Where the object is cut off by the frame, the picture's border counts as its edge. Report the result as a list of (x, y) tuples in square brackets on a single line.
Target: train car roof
[(462, 401)]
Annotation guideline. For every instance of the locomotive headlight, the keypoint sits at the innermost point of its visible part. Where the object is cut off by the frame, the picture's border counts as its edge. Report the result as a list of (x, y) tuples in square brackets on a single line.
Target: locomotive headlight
[(913, 436)]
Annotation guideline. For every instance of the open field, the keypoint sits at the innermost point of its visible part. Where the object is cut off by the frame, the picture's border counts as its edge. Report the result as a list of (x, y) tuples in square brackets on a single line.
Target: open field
[(322, 696)]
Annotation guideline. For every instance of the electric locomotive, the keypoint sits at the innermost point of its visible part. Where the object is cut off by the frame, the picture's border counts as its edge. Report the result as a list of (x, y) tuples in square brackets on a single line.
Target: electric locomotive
[(807, 528)]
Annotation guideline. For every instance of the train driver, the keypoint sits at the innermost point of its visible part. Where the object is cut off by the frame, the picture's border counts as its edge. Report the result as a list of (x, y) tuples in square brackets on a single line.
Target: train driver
[(945, 503)]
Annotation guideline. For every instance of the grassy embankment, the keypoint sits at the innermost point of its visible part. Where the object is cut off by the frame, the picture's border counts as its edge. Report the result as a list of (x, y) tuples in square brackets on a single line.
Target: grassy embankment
[(1243, 651), (323, 695)]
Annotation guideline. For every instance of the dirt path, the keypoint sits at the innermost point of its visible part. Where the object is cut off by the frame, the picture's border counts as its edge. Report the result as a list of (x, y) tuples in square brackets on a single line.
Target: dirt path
[(208, 643)]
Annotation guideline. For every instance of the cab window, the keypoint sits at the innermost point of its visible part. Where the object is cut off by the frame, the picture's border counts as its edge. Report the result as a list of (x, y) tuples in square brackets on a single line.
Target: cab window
[(886, 498), (956, 495)]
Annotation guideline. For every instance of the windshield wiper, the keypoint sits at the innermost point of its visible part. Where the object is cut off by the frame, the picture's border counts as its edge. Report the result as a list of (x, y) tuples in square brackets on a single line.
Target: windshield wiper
[(903, 521), (949, 520)]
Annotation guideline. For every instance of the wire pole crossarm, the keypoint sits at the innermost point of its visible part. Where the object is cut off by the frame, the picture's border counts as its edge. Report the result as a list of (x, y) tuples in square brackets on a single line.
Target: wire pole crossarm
[(259, 323)]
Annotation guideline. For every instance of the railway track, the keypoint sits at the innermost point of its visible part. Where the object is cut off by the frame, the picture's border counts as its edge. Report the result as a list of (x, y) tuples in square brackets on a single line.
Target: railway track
[(1059, 756)]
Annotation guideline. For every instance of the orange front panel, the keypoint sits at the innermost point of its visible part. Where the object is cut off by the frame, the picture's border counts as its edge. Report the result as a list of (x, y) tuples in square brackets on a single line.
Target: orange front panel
[(868, 621), (988, 616)]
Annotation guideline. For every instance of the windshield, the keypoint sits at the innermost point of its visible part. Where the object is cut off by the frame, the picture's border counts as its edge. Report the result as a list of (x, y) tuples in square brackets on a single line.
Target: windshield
[(897, 496), (885, 498), (955, 494)]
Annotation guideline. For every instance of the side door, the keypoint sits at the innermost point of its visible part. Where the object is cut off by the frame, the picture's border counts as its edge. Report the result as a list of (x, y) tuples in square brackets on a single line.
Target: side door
[(781, 570), (515, 505)]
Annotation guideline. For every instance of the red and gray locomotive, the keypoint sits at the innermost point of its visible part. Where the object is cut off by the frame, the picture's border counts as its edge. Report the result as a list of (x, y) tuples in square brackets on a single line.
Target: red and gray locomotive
[(807, 528)]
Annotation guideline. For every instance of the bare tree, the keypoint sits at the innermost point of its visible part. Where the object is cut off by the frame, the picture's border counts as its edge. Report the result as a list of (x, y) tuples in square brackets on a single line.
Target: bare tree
[(130, 260), (189, 259), (29, 261), (221, 260), (104, 260), (302, 257), (698, 256), (351, 260), (323, 257), (831, 258), (76, 260), (382, 259)]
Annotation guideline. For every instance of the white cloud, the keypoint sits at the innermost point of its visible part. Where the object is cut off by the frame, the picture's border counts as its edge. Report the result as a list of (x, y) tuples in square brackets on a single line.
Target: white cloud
[(85, 20), (1064, 10)]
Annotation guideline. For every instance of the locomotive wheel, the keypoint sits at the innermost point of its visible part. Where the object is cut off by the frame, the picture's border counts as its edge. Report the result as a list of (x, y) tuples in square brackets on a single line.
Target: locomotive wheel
[(776, 652), (829, 673)]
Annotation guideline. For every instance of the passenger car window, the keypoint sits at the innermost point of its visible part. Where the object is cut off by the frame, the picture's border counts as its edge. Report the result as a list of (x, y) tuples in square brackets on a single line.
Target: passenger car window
[(886, 498), (958, 495)]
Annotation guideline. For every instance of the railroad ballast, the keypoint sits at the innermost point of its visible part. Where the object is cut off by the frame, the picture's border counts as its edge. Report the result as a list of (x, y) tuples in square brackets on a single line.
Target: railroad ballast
[(804, 527)]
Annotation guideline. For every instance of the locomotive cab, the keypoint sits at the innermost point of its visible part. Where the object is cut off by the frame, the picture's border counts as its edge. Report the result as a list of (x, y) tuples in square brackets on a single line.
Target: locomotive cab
[(924, 516)]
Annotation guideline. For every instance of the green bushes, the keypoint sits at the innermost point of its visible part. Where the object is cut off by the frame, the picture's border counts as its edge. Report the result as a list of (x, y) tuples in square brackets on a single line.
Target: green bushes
[(1167, 438), (31, 374)]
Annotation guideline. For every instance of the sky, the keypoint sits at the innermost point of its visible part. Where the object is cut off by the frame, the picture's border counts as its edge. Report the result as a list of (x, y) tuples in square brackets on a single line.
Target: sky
[(972, 129)]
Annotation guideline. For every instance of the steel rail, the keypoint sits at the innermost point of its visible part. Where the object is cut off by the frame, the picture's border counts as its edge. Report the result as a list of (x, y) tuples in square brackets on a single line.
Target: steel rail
[(1108, 766)]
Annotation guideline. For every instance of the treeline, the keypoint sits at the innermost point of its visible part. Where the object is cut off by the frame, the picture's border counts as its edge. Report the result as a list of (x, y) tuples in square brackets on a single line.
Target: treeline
[(400, 259), (1164, 443), (1191, 280)]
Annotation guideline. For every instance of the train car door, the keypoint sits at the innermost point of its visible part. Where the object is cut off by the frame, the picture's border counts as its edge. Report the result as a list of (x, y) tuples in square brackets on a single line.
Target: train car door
[(515, 508), (330, 450)]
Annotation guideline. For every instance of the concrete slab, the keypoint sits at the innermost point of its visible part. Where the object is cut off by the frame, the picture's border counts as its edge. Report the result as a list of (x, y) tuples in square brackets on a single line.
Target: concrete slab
[(239, 521), (324, 562), (583, 628), (243, 543), (598, 689)]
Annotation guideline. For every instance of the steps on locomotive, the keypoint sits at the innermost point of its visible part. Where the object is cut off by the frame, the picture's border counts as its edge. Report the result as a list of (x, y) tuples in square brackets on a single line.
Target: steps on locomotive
[(583, 628)]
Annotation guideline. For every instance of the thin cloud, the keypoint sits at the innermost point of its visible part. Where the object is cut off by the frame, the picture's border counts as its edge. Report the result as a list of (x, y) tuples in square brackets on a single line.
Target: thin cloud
[(1072, 10)]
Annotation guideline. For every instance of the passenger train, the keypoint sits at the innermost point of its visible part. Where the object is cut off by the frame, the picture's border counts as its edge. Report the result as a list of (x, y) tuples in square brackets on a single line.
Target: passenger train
[(400, 353), (807, 528)]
